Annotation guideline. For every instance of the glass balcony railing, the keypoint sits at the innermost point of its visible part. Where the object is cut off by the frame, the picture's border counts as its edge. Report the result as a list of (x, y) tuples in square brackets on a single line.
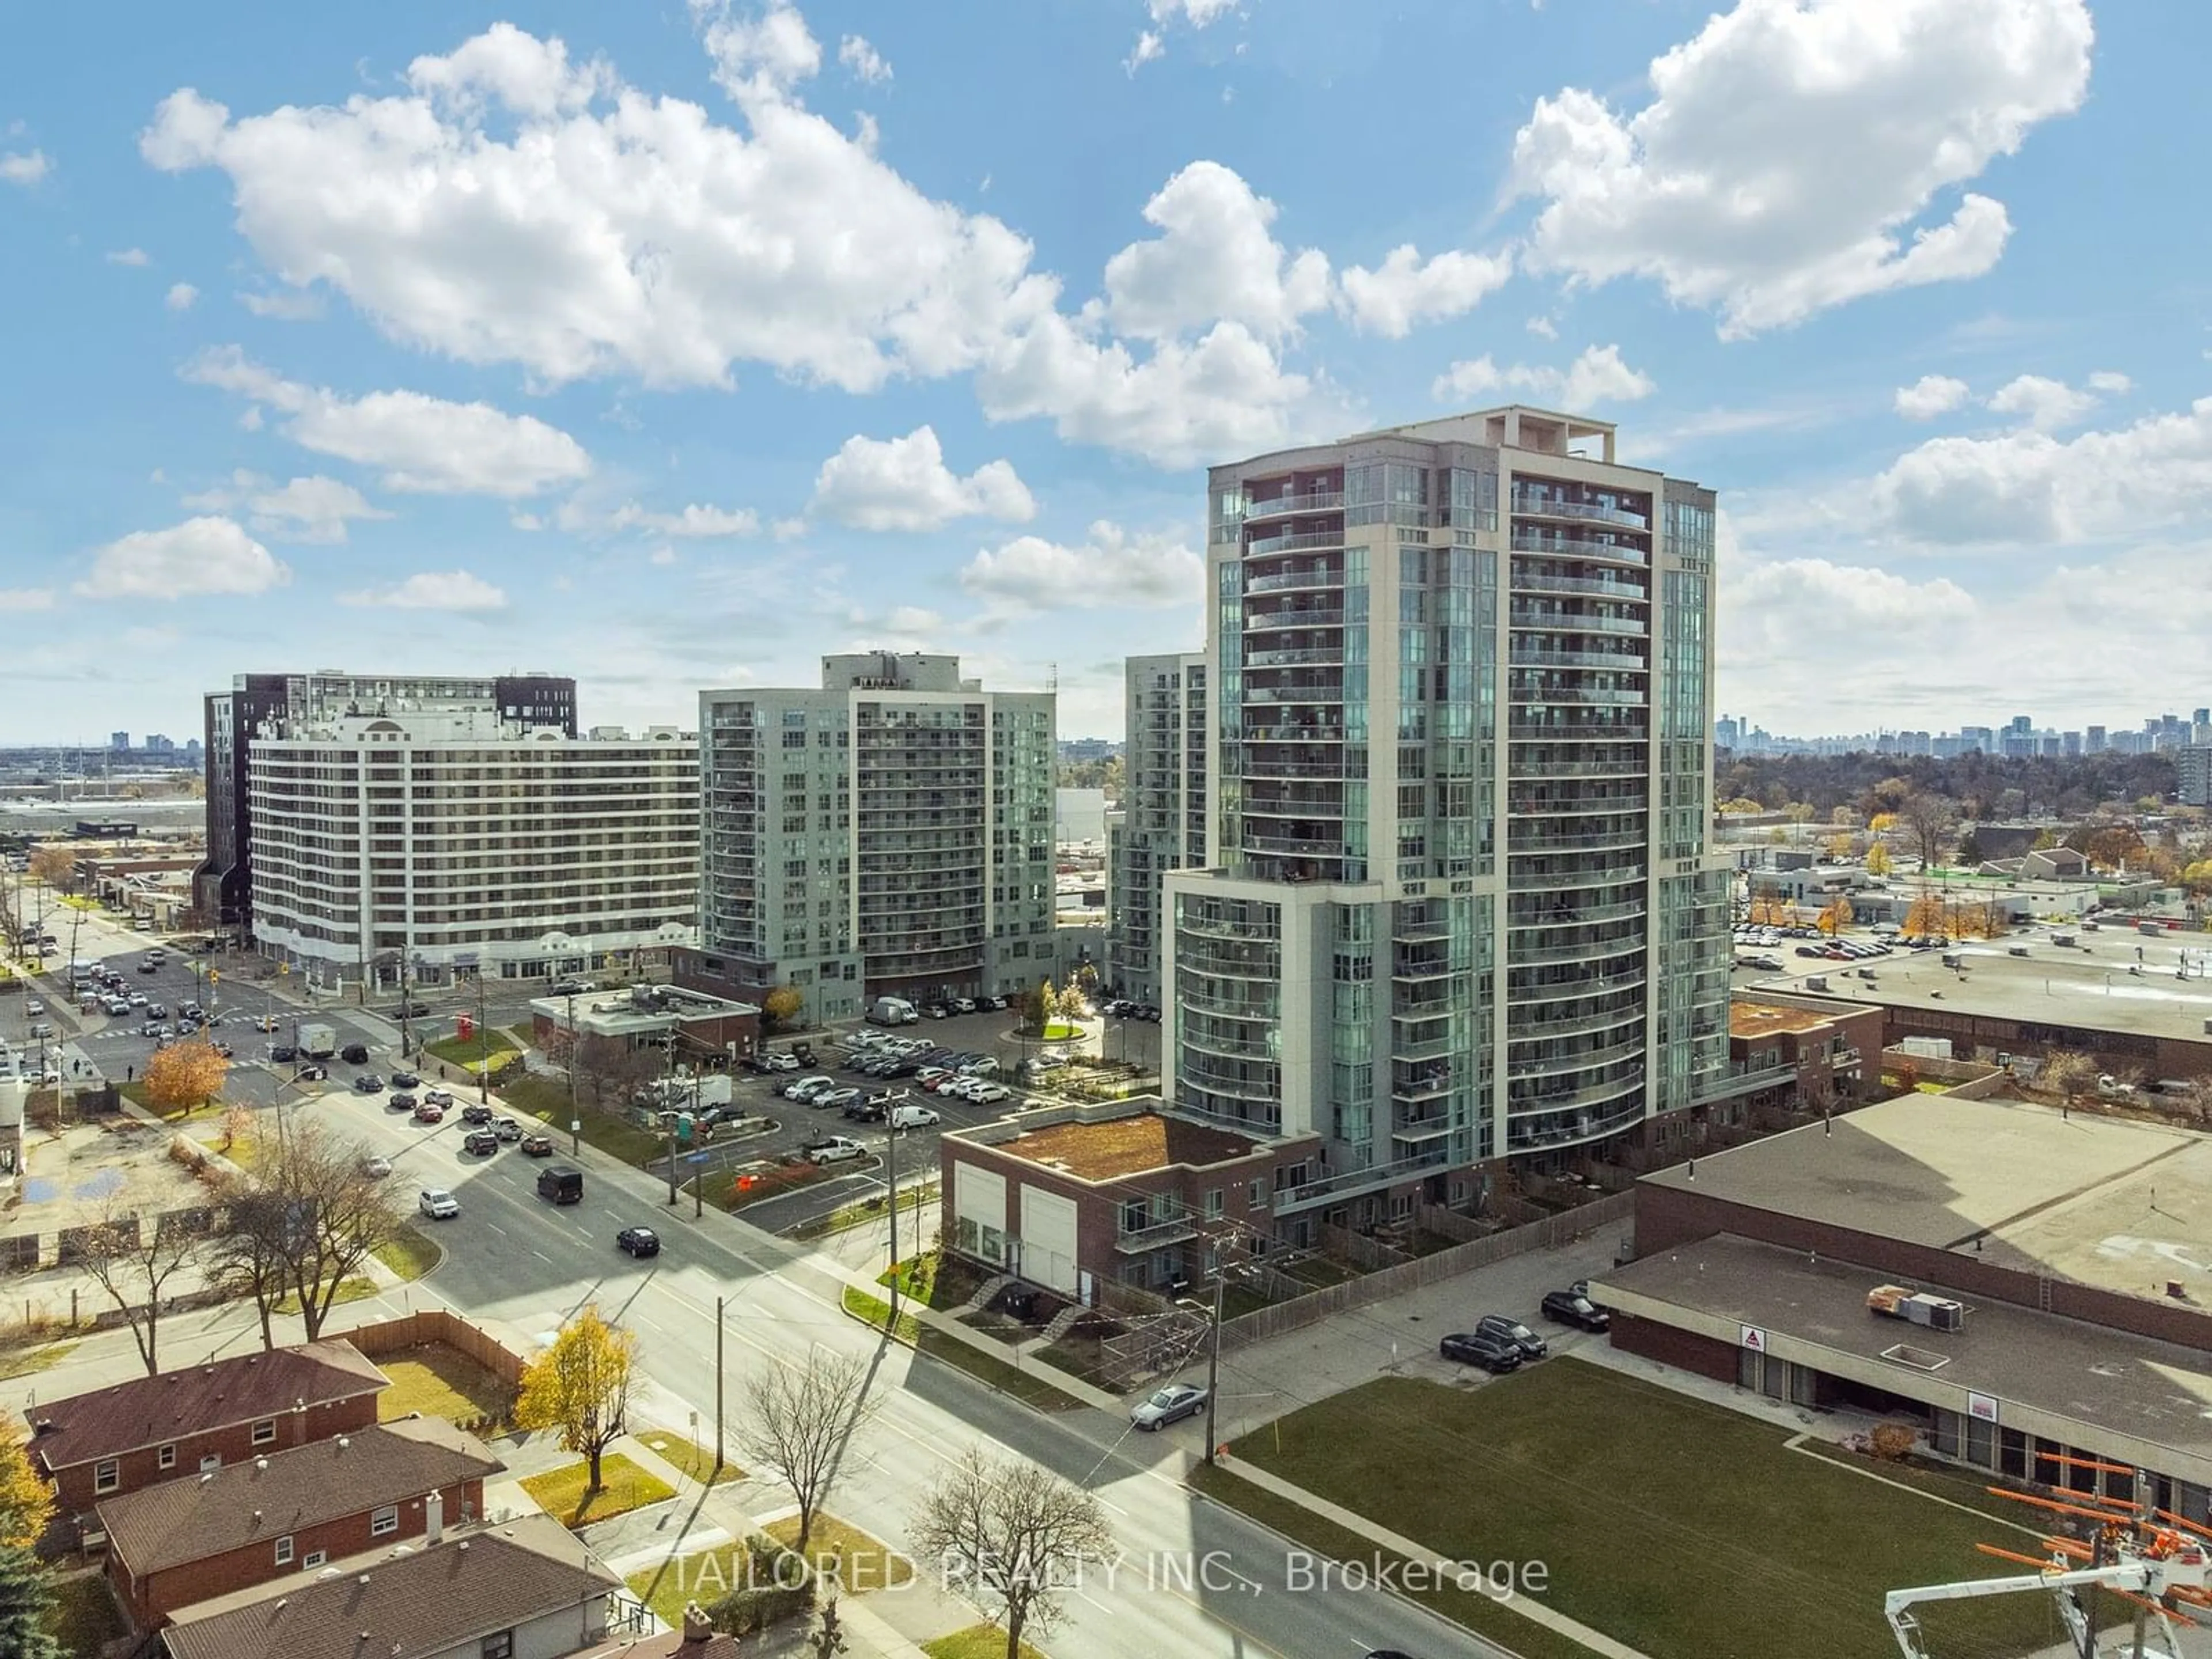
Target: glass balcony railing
[(1293, 541), (1547, 506), (1319, 501)]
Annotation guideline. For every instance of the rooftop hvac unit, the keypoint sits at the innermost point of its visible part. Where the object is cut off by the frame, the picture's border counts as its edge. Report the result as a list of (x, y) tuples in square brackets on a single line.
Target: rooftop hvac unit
[(1916, 1307), (1820, 982), (2208, 1025)]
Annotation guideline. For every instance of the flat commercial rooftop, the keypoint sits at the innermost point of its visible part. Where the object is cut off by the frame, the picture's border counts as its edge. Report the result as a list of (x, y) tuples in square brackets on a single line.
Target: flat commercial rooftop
[(2123, 1205), (2125, 1385), (1125, 1145), (1758, 1019), (2087, 984)]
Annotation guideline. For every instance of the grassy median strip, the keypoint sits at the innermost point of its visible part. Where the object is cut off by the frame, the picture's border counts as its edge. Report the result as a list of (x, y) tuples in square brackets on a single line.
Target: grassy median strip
[(1679, 1527), (694, 1462), (546, 1099), (977, 1642), (862, 1561), (992, 1373), (1323, 1538), (409, 1254)]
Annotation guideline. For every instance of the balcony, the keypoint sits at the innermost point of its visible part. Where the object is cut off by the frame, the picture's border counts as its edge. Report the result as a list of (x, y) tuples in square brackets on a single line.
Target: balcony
[(1540, 504), (1335, 1188), (1282, 580), (1532, 1103), (1615, 841), (1322, 693), (1135, 1241), (1634, 662), (1580, 547), (1544, 731), (1292, 732), (1538, 581), (1319, 501), (1553, 621), (1262, 766), (1605, 697), (1305, 847), (1304, 616), (1529, 1137), (1295, 541), (1299, 656)]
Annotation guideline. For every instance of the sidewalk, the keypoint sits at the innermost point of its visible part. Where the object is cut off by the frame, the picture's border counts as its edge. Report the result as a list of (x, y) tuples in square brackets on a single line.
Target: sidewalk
[(1382, 1538)]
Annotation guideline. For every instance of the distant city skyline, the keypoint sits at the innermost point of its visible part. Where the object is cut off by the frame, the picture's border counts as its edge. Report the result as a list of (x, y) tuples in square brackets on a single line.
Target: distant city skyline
[(2019, 736)]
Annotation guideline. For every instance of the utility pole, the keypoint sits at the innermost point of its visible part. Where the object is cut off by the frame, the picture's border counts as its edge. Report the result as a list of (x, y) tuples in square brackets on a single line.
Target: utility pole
[(891, 1167), (483, 1046), (717, 1382), (1214, 1354), (576, 1123), (667, 1064), (406, 1009)]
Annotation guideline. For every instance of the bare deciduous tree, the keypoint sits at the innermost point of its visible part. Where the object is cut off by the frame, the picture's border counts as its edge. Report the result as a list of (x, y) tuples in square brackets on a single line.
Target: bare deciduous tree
[(1928, 819), (2069, 1072), (795, 1422), (134, 1261), (252, 1254), (1012, 1533)]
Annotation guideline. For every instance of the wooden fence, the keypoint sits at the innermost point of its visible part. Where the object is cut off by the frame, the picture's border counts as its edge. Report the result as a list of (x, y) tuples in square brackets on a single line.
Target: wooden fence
[(435, 1326), (1550, 1233)]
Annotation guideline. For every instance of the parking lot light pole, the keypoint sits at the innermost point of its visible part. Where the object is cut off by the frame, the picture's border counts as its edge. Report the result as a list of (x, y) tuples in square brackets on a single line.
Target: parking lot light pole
[(1213, 1357), (576, 1123)]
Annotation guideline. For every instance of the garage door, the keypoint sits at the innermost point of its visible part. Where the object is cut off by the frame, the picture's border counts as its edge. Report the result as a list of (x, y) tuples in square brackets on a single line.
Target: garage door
[(1048, 1240)]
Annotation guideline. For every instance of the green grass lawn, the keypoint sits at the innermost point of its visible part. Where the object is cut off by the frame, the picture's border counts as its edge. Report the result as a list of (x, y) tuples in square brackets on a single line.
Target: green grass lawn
[(83, 1617), (486, 1044), (409, 1254), (695, 1460), (1681, 1528), (135, 1092), (703, 1576), (977, 1642), (997, 1373), (546, 1099), (623, 1486), (935, 1281), (912, 1201), (440, 1382), (356, 1289), (864, 1562)]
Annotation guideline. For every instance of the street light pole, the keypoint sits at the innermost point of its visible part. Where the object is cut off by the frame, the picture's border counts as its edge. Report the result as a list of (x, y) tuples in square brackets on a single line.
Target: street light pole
[(483, 1046), (717, 1382), (575, 1140), (1213, 1355), (891, 1166)]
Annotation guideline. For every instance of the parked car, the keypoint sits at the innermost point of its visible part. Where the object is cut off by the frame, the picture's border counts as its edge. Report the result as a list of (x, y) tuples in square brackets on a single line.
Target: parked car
[(906, 1115), (964, 1005), (426, 1113), (1494, 1354), (476, 1112), (538, 1146), (438, 1203), (1532, 1346), (405, 1080), (368, 1083), (638, 1240), (834, 1097), (1168, 1405), (482, 1143), (837, 1149), (987, 1094), (1570, 1309)]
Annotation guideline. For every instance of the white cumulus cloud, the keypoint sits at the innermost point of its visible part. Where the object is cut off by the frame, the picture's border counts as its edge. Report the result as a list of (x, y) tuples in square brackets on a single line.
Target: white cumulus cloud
[(180, 296), (26, 598), (903, 483), (1405, 290), (432, 590), (128, 256), (854, 52), (420, 443), (1598, 376), (2027, 486), (1113, 569), (315, 509), (697, 521), (1792, 151), (1929, 396), (203, 555), (1149, 48), (24, 167), (1216, 260), (2049, 406)]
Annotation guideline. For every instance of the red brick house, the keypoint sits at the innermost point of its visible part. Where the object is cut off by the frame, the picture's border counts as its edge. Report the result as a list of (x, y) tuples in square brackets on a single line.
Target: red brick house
[(183, 1541), (1128, 1194), (152, 1428)]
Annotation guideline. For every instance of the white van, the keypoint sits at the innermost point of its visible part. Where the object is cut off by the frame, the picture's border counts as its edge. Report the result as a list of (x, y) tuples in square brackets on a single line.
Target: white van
[(892, 1011)]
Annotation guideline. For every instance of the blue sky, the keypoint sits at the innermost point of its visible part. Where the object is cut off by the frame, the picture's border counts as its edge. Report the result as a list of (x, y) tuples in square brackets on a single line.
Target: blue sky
[(671, 347)]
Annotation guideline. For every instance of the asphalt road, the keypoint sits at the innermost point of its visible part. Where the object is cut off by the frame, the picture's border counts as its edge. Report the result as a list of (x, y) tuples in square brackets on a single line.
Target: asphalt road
[(1195, 1579)]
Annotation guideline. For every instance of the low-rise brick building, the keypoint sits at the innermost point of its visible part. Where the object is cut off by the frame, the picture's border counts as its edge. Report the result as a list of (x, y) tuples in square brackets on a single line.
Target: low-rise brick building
[(703, 1028), (1822, 1053), (183, 1541), (116, 1440), (1070, 1197)]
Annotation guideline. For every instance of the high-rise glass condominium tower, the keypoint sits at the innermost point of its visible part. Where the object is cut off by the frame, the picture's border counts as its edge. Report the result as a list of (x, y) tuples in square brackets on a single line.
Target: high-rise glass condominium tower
[(888, 832), (1461, 904), (1163, 820)]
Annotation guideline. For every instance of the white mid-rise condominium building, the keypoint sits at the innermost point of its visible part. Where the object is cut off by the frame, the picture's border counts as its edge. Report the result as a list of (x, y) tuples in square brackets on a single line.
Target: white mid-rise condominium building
[(1460, 905), (428, 838), (888, 834), (1162, 823)]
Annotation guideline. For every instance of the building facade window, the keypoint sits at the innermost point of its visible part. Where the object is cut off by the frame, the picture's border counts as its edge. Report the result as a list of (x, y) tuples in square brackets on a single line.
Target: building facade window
[(264, 1431), (500, 1644), (167, 1457), (107, 1476), (384, 1522), (285, 1551), (313, 1559)]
